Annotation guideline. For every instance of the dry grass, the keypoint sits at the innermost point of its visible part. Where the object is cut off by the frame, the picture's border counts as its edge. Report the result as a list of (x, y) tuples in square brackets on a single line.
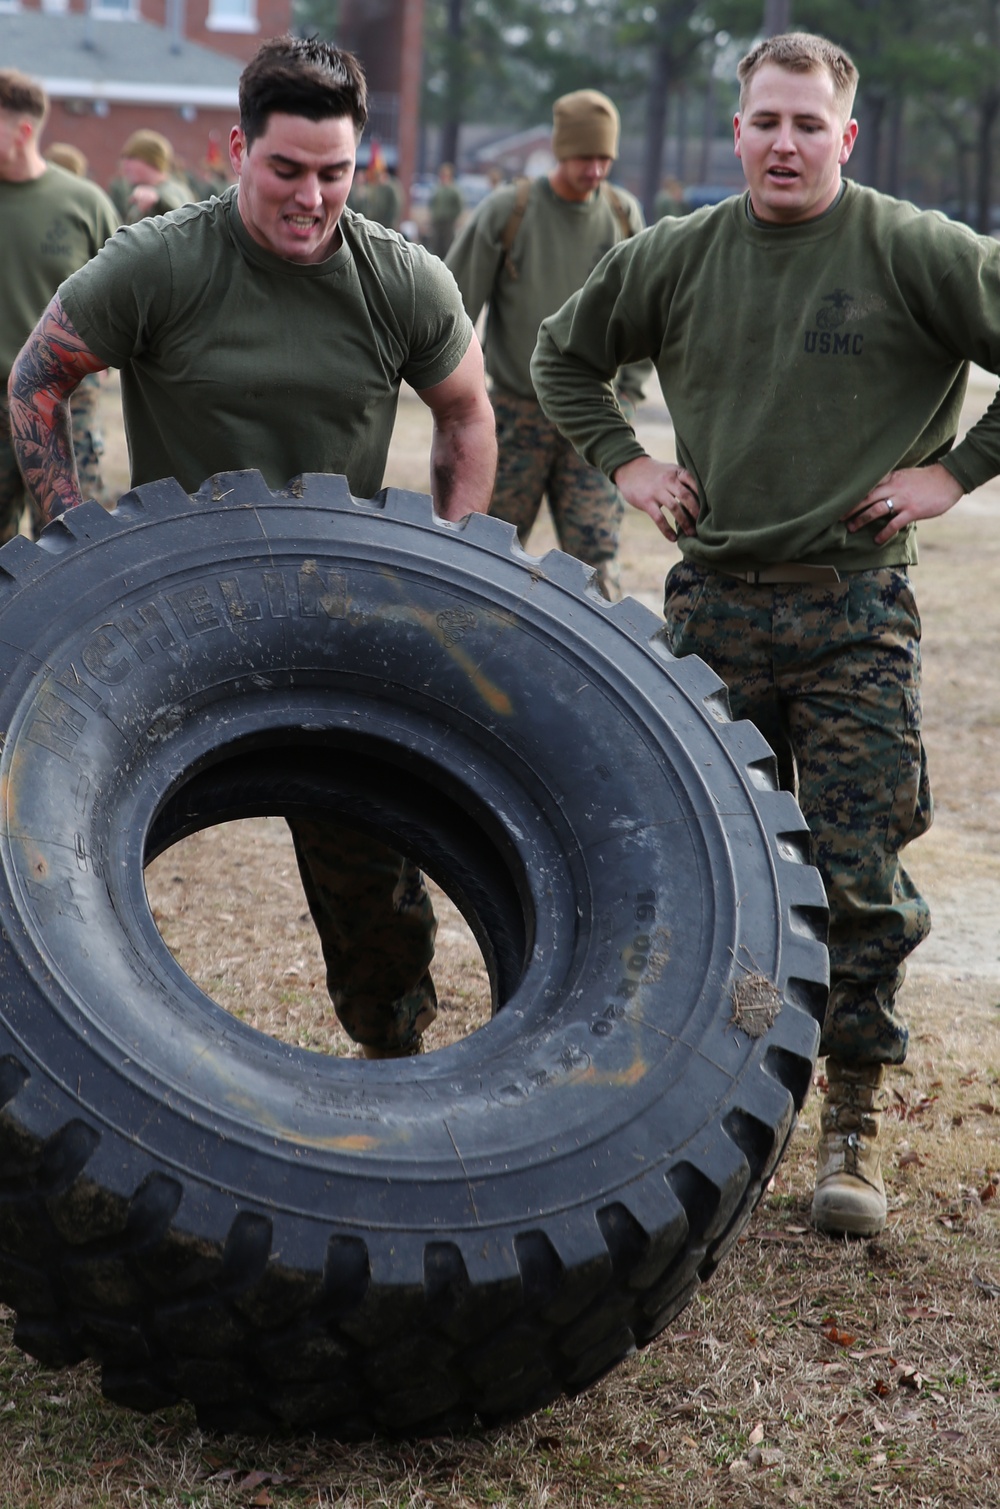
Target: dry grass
[(808, 1372)]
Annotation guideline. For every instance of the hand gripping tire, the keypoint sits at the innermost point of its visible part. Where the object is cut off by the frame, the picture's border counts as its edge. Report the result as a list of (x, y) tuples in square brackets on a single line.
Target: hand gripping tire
[(293, 1240)]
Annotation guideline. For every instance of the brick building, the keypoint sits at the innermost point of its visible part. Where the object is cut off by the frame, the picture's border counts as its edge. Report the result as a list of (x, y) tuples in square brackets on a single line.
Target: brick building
[(110, 66)]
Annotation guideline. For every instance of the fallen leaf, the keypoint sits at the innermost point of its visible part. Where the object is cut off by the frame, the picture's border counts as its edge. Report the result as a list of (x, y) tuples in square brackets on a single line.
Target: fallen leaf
[(907, 1377), (839, 1338), (987, 1107), (988, 1192), (756, 1435), (911, 1160)]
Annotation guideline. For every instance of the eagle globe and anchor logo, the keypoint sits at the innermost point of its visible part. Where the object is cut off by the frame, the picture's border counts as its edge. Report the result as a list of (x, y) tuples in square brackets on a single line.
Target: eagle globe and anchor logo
[(830, 338)]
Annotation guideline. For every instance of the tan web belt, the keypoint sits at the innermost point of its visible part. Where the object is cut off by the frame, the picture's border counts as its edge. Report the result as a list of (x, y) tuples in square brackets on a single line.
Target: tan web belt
[(789, 571)]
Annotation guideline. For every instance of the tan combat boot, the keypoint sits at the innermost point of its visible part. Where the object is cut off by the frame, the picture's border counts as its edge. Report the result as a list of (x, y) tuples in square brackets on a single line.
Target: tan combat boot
[(850, 1195)]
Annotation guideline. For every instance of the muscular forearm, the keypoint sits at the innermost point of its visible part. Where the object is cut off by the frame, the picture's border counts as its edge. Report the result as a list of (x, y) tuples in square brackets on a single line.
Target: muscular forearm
[(463, 466), (45, 373)]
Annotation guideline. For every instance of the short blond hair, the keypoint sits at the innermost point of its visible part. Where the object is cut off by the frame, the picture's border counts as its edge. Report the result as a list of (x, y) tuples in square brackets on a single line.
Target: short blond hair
[(65, 155), (802, 52)]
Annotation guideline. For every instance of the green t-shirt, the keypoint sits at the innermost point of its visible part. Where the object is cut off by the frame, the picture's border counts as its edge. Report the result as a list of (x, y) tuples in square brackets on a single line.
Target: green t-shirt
[(119, 190), (232, 357), (446, 203), (666, 204), (171, 195), (383, 202), (49, 226), (557, 246), (800, 364)]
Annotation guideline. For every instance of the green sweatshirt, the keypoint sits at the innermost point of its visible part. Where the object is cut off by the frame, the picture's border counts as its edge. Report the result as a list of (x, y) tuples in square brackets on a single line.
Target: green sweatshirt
[(557, 246), (49, 226), (800, 365)]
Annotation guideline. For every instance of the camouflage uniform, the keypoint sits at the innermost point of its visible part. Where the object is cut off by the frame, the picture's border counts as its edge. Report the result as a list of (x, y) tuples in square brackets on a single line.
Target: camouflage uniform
[(536, 461), (376, 925), (88, 445), (830, 674)]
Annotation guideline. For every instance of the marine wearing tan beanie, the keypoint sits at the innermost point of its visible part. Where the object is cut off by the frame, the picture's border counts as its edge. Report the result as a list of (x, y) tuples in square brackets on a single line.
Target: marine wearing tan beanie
[(584, 124), (151, 148)]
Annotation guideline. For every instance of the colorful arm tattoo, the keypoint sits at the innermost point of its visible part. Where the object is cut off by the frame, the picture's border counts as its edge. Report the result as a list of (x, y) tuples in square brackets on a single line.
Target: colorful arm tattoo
[(49, 366)]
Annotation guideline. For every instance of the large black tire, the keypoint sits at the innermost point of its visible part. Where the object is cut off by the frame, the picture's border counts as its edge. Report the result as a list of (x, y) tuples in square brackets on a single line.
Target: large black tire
[(293, 1240)]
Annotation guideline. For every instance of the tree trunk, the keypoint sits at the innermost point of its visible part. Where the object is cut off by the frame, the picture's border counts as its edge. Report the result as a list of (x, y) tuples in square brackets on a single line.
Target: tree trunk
[(894, 166), (705, 174), (962, 155), (660, 79), (681, 124), (865, 159), (988, 110), (777, 17), (452, 125)]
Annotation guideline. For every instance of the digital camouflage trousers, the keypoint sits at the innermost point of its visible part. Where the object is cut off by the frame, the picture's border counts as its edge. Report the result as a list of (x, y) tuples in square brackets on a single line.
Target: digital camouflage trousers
[(534, 462), (830, 674), (88, 447), (376, 925)]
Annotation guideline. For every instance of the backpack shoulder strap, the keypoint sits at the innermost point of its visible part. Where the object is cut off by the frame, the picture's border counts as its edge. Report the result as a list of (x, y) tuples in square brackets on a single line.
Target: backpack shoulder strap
[(513, 225), (617, 204)]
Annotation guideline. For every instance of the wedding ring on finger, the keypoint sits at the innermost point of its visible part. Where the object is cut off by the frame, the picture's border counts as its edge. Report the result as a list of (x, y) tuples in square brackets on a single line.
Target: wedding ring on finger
[(890, 508)]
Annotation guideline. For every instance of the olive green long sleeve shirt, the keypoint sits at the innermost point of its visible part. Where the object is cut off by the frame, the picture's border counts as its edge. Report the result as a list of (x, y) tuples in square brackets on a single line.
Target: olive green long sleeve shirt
[(801, 364), (557, 246)]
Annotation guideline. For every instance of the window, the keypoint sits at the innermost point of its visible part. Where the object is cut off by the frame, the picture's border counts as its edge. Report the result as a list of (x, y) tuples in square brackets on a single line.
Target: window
[(115, 10), (232, 15)]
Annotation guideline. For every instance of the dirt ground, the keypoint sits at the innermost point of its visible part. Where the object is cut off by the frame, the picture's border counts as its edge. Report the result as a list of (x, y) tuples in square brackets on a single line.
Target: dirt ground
[(811, 1373)]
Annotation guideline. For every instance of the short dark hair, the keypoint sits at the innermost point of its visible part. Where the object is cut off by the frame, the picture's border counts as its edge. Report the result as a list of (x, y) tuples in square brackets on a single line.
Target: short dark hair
[(22, 95), (802, 52), (301, 76)]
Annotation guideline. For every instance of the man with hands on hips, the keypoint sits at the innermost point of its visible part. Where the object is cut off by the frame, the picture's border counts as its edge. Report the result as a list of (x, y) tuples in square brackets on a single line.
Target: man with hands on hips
[(812, 340)]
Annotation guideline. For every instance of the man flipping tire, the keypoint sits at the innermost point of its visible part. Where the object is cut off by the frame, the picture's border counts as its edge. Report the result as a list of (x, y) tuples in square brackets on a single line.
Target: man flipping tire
[(271, 328)]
